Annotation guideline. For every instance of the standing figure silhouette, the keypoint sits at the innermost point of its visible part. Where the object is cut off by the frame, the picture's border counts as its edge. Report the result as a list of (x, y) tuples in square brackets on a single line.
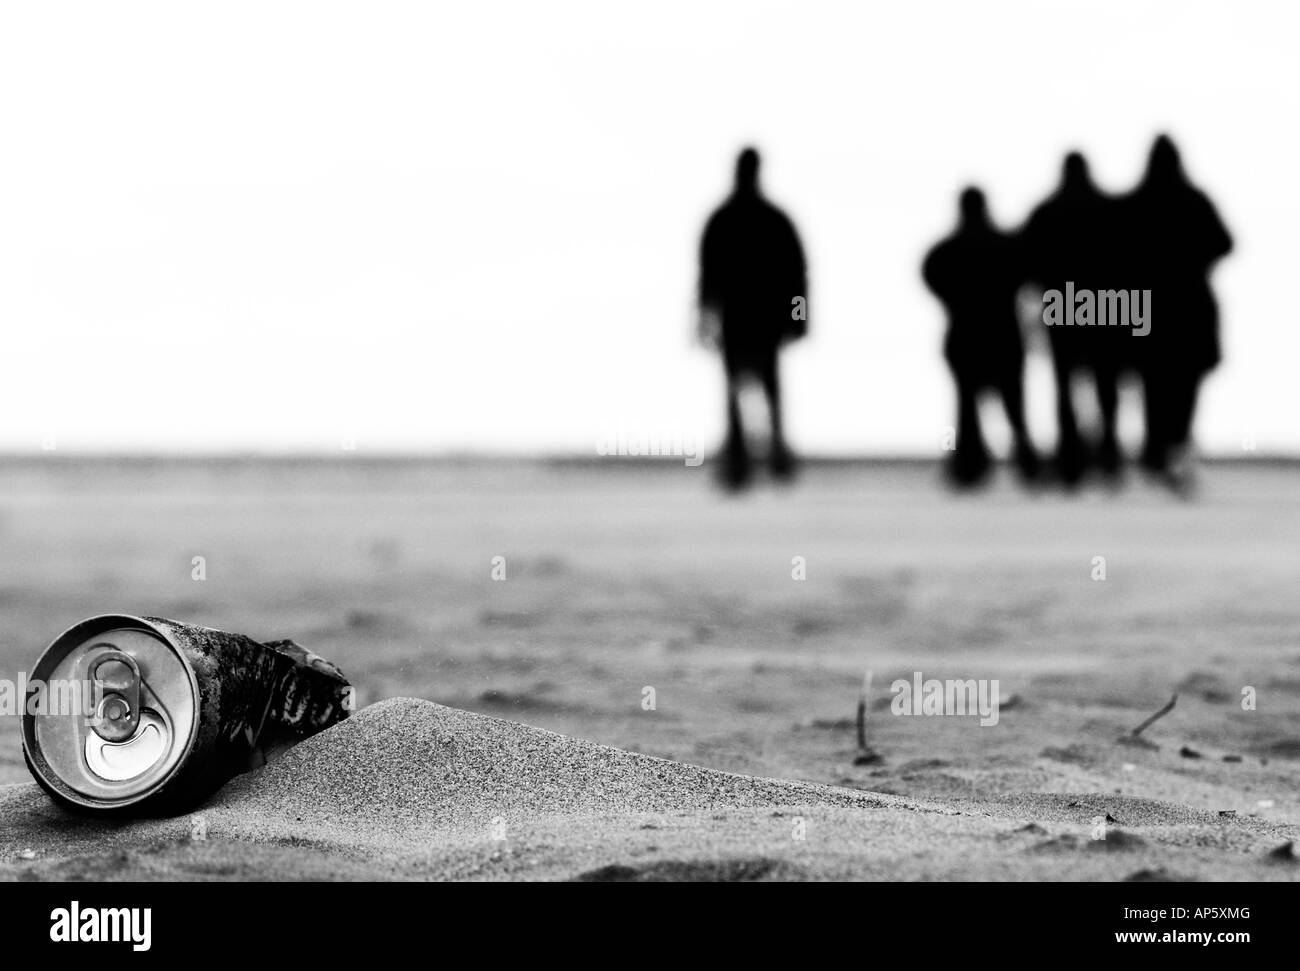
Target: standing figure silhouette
[(975, 273), (753, 299), (1182, 238), (1075, 237)]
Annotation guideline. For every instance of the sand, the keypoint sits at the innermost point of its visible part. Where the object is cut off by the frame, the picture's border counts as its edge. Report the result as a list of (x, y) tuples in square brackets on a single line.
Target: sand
[(411, 789), (621, 580)]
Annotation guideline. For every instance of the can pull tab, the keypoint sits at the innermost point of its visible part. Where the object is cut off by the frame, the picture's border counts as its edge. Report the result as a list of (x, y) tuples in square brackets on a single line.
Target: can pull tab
[(118, 714)]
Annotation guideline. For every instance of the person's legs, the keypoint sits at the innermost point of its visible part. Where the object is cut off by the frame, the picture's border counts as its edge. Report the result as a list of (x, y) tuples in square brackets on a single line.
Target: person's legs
[(1069, 446), (1179, 403), (1155, 403), (1183, 410), (735, 470), (1013, 400), (1108, 457), (970, 460), (782, 459)]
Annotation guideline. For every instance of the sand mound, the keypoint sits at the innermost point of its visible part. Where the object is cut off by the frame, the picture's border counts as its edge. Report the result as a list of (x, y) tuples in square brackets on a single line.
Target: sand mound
[(406, 764), (410, 789)]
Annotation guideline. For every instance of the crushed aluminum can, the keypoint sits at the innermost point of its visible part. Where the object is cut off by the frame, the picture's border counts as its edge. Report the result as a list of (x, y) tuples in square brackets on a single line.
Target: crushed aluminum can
[(147, 716)]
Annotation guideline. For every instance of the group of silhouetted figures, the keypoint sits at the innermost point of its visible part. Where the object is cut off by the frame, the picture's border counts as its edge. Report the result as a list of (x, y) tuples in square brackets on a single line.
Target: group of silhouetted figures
[(1099, 263), (1142, 256)]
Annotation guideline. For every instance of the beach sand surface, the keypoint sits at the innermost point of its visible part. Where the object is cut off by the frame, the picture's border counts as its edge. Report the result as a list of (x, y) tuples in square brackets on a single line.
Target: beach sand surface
[(505, 731)]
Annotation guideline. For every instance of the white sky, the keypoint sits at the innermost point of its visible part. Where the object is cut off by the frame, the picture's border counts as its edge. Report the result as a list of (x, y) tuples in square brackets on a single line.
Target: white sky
[(473, 226)]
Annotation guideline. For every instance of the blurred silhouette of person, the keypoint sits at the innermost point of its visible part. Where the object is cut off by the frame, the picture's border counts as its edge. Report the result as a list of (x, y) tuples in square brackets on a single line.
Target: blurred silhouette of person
[(1077, 235), (753, 299), (975, 273), (1181, 236)]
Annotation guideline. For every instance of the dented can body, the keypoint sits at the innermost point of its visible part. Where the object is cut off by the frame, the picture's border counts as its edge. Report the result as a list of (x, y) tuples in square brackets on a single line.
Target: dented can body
[(167, 712)]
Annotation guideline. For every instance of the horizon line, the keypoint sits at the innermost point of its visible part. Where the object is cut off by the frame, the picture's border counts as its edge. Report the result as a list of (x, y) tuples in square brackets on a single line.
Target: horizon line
[(567, 459)]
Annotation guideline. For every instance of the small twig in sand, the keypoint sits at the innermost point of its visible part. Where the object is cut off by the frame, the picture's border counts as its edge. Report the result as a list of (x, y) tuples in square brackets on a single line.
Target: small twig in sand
[(862, 710), (866, 754), (1135, 735)]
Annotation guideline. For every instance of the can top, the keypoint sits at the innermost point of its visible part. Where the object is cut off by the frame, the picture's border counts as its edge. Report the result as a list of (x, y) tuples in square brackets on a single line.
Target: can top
[(116, 711)]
